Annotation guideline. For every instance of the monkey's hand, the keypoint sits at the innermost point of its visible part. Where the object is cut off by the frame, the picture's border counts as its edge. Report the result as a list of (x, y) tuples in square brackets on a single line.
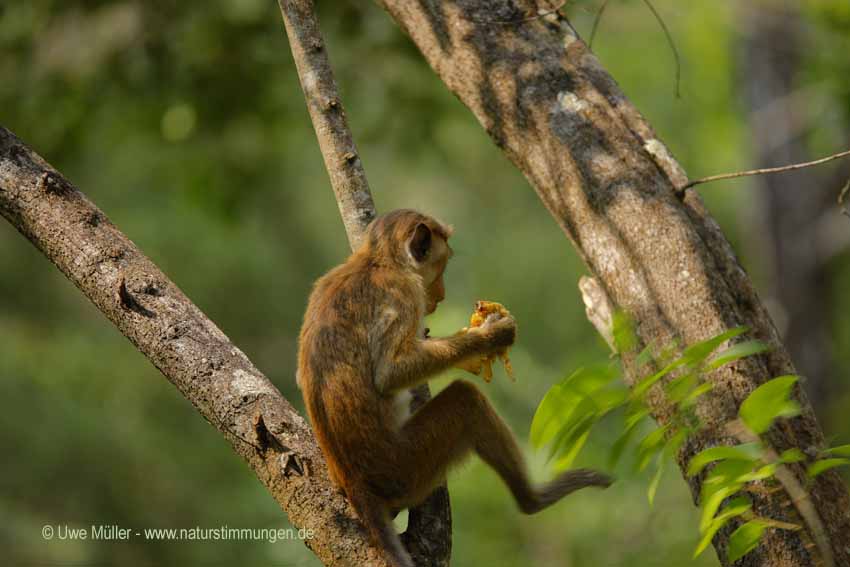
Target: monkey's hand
[(497, 328), (499, 332)]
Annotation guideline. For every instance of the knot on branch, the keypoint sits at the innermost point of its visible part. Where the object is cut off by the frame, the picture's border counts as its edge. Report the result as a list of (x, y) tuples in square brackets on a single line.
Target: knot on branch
[(19, 155), (290, 461), (332, 103), (127, 301), (599, 309), (53, 183)]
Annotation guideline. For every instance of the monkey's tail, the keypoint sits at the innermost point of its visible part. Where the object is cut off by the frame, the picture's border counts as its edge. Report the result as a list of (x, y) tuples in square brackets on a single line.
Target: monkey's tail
[(569, 482), (373, 515)]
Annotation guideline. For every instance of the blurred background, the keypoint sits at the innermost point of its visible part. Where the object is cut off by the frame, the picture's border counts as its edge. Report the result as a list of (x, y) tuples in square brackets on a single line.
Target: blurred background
[(185, 123)]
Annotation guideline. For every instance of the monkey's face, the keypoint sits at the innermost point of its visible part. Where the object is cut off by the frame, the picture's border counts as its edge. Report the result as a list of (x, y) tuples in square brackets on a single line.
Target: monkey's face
[(435, 291), (430, 252)]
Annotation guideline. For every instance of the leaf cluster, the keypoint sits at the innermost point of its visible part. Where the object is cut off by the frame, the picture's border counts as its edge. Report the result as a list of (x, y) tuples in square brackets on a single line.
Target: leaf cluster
[(571, 408)]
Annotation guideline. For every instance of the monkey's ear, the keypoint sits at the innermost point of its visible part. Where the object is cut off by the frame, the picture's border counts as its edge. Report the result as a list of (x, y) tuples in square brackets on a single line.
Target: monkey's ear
[(420, 242)]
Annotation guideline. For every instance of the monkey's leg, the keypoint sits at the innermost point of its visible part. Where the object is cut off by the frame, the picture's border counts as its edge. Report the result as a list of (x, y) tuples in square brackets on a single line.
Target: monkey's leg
[(373, 514), (460, 419)]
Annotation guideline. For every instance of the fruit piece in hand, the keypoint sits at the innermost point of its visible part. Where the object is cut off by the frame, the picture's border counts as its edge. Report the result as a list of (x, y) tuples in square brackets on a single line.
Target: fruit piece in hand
[(483, 311)]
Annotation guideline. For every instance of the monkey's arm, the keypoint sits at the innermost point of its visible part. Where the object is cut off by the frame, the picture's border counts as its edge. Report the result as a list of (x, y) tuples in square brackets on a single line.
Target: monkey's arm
[(421, 359), (424, 358)]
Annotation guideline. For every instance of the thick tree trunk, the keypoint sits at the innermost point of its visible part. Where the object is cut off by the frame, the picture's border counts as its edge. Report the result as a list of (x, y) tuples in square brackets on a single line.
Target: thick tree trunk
[(612, 187), (219, 380)]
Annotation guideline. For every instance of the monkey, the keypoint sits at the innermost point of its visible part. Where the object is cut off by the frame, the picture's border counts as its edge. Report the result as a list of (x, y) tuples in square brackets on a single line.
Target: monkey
[(363, 345)]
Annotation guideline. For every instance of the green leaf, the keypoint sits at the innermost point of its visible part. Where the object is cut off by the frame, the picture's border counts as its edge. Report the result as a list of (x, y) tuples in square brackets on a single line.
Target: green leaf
[(728, 472), (768, 402), (619, 446), (563, 406), (736, 352), (566, 460), (589, 379), (644, 356), (735, 508), (635, 416), (745, 539), (551, 413), (623, 330), (743, 452), (695, 354), (713, 502), (675, 442), (824, 465), (644, 385), (653, 484), (572, 439), (678, 388), (841, 451), (761, 473), (650, 446), (695, 394), (608, 399), (792, 456)]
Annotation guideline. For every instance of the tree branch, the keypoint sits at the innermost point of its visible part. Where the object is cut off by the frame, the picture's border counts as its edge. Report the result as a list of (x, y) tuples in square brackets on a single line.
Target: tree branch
[(428, 537), (610, 184), (195, 356), (765, 170), (342, 161)]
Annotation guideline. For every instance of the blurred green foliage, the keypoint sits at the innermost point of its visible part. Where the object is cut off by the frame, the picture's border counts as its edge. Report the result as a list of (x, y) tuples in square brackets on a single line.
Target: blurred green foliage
[(573, 407), (185, 123)]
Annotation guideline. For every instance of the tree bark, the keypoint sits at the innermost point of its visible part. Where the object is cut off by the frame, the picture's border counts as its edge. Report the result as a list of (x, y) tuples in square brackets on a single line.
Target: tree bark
[(195, 356), (342, 162), (428, 537), (612, 186)]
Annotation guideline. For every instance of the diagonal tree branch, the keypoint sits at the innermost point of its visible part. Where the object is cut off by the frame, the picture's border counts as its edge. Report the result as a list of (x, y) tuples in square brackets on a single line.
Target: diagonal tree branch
[(611, 185), (195, 356), (342, 161), (428, 537)]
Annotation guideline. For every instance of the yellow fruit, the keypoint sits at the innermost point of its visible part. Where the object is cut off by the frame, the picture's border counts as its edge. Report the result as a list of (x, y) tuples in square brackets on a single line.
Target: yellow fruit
[(482, 310)]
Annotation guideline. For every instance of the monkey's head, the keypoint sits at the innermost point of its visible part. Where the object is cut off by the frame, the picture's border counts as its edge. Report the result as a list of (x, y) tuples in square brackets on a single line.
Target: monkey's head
[(416, 242)]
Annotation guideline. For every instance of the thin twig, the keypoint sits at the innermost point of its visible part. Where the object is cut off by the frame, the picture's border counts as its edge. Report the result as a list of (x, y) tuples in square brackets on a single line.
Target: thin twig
[(799, 497), (764, 170), (779, 524), (670, 42), (598, 18), (841, 197), (596, 21)]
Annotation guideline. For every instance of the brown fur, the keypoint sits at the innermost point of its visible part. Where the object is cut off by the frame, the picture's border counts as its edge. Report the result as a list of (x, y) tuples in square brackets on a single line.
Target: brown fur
[(362, 346)]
